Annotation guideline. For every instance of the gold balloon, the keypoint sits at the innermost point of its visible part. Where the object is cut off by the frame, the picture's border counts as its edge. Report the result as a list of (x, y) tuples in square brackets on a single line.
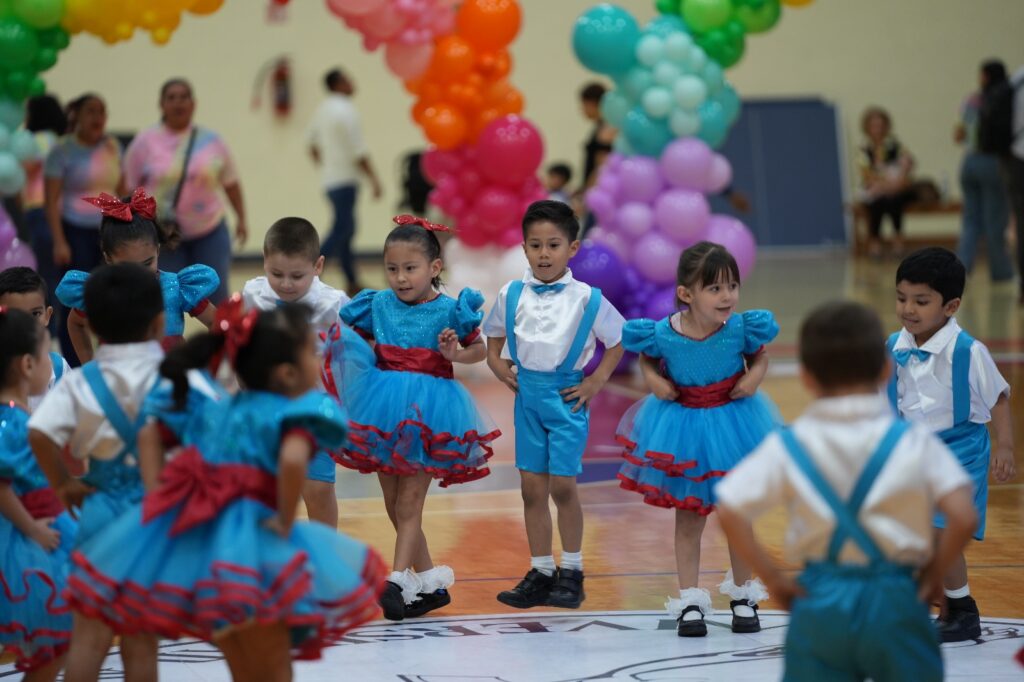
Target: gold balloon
[(205, 6)]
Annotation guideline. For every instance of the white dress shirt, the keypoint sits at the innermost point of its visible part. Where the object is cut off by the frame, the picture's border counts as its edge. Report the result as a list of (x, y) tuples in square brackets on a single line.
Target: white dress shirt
[(925, 387), (840, 435), (546, 323), (70, 413), (338, 135), (324, 300), (34, 401)]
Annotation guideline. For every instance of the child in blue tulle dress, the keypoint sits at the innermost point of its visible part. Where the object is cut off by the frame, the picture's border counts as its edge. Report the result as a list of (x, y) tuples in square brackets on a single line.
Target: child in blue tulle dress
[(411, 422), (129, 234), (703, 366), (36, 533), (215, 551)]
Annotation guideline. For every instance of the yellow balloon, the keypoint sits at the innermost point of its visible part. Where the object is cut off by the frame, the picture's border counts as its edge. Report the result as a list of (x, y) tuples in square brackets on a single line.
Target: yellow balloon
[(797, 3), (205, 6)]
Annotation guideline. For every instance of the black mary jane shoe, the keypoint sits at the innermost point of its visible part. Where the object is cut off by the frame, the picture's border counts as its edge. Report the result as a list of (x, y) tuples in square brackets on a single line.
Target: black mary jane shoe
[(692, 628), (744, 624), (391, 601), (425, 603)]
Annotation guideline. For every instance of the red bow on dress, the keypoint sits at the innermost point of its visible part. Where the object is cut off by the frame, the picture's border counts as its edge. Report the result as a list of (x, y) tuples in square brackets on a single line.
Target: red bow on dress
[(112, 207), (235, 325), (406, 219)]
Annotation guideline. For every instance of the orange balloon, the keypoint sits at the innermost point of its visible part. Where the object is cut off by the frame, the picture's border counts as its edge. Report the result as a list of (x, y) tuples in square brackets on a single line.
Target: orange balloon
[(504, 98), (413, 85), (481, 121), (489, 24), (453, 59), (496, 64), (419, 110), (445, 126), (205, 6)]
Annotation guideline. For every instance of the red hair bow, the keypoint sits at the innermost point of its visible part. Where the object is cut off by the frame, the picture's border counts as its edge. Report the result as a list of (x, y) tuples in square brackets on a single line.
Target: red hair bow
[(406, 219), (112, 207), (235, 325)]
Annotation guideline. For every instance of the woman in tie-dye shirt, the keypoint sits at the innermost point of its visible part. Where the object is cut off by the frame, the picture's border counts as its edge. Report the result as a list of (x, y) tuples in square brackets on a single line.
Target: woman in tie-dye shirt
[(155, 159)]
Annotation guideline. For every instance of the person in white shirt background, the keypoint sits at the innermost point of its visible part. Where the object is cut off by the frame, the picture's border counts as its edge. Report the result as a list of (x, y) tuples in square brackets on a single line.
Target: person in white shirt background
[(337, 145)]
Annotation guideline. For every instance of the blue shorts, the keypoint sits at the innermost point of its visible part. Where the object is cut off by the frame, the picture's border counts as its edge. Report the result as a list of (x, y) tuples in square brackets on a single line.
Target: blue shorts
[(971, 444), (321, 468), (550, 438)]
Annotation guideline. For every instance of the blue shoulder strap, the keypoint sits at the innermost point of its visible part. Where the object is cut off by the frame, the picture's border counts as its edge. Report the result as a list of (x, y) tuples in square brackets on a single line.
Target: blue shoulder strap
[(894, 398), (126, 431), (847, 525), (58, 366), (583, 331), (515, 291), (962, 378)]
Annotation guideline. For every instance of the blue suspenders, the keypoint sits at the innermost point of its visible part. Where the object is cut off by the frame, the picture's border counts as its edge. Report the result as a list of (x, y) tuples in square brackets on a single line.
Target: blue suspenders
[(961, 377), (579, 342), (58, 366), (847, 525), (126, 430)]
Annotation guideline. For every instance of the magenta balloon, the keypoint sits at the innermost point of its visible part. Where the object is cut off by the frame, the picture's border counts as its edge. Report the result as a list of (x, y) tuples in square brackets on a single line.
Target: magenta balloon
[(662, 304), (602, 205), (634, 219), (686, 163), (437, 163), (682, 214), (496, 207), (655, 257), (720, 175), (17, 254), (641, 179), (408, 61), (510, 149), (737, 238)]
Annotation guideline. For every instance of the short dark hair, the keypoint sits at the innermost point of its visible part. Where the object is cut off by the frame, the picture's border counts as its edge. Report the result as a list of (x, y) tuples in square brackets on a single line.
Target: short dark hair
[(333, 78), (22, 280), (425, 239), (44, 112), (19, 335), (936, 267), (842, 344), (171, 82), (114, 232), (562, 170), (592, 92), (557, 213), (122, 301), (705, 263), (293, 237)]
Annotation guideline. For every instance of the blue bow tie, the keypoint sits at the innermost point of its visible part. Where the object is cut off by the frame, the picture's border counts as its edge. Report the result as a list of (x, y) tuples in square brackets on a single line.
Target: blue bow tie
[(543, 288), (903, 356)]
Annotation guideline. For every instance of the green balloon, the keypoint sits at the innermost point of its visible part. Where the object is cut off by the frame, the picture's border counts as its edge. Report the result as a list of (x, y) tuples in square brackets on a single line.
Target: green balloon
[(37, 87), (723, 45), (706, 15), (18, 43), (18, 83), (667, 6), (760, 18), (45, 58), (56, 38), (39, 13)]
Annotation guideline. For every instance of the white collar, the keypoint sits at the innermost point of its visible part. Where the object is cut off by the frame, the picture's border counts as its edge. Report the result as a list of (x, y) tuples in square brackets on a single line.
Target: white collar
[(128, 352), (530, 280), (936, 344), (849, 407)]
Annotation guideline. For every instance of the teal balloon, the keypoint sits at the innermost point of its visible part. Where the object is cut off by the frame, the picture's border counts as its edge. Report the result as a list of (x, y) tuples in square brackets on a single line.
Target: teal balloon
[(5, 138), (12, 175), (657, 102), (650, 50), (11, 113), (666, 73), (23, 145), (665, 25), (646, 136), (622, 147), (713, 77), (677, 47), (684, 123), (635, 83), (604, 39), (760, 16), (39, 13), (614, 107), (731, 104), (18, 43), (713, 124)]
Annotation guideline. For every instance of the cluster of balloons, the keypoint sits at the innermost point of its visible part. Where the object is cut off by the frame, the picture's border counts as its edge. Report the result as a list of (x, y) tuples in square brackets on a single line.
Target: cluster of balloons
[(464, 85), (665, 85), (13, 252), (16, 146), (115, 20), (30, 38), (487, 187), (406, 28)]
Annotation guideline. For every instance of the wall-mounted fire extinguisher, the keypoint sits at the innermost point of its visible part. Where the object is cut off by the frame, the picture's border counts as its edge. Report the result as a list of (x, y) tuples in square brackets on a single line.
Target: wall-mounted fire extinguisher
[(278, 73)]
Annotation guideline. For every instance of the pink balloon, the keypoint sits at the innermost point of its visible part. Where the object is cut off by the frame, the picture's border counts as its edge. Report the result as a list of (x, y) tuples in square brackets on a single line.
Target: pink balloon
[(437, 164), (470, 182), (682, 214), (602, 205), (408, 61), (353, 7), (512, 236), (720, 175), (635, 219), (496, 208), (656, 257), (383, 23), (613, 241), (17, 254), (511, 149), (686, 163), (641, 179), (736, 238)]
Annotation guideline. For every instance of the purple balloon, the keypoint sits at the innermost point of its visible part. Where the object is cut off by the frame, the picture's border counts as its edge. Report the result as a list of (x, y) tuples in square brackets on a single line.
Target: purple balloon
[(613, 241), (8, 233), (598, 266), (720, 175), (624, 366), (736, 237), (18, 254), (662, 304), (686, 163), (602, 205), (634, 219), (641, 179), (656, 256), (682, 214), (632, 277)]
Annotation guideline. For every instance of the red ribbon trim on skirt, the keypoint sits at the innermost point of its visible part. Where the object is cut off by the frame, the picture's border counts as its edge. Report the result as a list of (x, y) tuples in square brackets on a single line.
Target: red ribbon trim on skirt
[(419, 360), (203, 489), (712, 395)]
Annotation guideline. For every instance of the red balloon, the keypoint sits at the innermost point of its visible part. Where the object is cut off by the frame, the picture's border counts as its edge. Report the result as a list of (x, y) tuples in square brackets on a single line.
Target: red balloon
[(510, 149)]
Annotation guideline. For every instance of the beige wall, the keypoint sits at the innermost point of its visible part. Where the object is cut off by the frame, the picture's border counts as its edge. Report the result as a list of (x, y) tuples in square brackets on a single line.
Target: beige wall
[(916, 57)]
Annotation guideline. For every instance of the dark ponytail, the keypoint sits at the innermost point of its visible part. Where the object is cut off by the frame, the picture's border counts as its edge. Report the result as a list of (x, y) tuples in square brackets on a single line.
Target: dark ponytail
[(195, 353)]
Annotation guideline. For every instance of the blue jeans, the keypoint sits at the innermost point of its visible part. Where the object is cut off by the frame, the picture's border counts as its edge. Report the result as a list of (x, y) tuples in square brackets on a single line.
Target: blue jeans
[(213, 249), (986, 213), (339, 242)]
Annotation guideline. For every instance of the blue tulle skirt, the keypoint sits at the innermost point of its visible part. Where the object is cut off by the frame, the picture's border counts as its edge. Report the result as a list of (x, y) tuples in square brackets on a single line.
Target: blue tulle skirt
[(675, 454), (35, 621), (230, 571), (405, 422)]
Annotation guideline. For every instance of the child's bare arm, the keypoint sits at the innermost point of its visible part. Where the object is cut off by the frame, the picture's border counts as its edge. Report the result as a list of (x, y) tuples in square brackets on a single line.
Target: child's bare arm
[(208, 315), (1003, 465), (151, 455), (757, 368), (69, 490), (38, 530), (740, 533), (583, 392), (78, 332), (660, 386), (501, 367), (293, 460), (448, 342)]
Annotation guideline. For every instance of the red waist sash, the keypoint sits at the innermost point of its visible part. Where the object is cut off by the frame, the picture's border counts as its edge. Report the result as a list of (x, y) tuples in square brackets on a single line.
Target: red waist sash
[(42, 503), (421, 360), (712, 395), (204, 489)]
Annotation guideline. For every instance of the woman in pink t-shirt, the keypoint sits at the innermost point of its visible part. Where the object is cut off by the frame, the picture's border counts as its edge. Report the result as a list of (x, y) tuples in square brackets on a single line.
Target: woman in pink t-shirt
[(155, 159)]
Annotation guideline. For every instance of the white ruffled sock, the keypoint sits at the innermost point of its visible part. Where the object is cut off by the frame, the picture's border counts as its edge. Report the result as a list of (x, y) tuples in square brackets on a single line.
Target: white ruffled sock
[(691, 596), (409, 582), (436, 578), (753, 591)]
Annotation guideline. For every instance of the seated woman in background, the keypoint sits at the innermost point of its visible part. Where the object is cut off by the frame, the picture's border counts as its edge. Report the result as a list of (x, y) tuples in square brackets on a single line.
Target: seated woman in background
[(885, 168)]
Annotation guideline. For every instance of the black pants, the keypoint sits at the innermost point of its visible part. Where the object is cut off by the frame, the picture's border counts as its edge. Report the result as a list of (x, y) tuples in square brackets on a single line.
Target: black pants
[(1013, 175), (890, 205)]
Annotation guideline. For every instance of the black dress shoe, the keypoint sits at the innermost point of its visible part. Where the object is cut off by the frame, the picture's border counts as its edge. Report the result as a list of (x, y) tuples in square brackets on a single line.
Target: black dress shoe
[(691, 628), (425, 603), (392, 602), (532, 590), (568, 591), (962, 623), (744, 624)]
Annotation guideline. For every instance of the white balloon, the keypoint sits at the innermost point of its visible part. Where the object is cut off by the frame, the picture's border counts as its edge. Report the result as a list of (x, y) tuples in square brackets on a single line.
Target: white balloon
[(684, 123), (690, 92), (677, 47), (698, 59), (657, 102), (650, 50), (24, 146), (666, 73)]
